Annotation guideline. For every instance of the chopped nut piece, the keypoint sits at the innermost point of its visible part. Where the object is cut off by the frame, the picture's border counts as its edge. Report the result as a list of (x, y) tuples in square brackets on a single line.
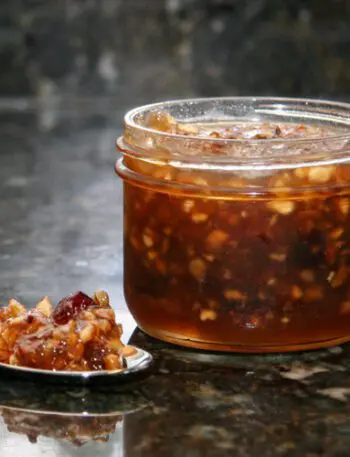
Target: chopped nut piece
[(208, 315), (163, 172), (285, 320), (234, 182), (188, 205), (188, 129), (105, 313), (101, 298), (307, 275), (19, 320), (216, 239), (198, 268), (16, 308), (340, 276), (199, 217), (128, 351), (296, 292), (151, 255), (344, 206), (336, 233), (233, 294), (301, 173), (320, 174), (227, 274), (87, 333), (282, 207), (45, 307), (279, 182), (104, 325), (13, 360), (88, 316), (160, 120), (112, 362), (330, 276), (5, 336), (147, 240), (273, 220), (200, 181), (278, 257), (115, 344), (58, 334), (209, 257)]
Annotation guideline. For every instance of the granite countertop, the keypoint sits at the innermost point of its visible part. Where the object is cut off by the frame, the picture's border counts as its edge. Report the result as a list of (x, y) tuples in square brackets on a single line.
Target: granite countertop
[(60, 230)]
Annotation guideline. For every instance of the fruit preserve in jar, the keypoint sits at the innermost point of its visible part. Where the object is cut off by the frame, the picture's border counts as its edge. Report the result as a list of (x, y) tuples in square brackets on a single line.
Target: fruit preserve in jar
[(237, 222)]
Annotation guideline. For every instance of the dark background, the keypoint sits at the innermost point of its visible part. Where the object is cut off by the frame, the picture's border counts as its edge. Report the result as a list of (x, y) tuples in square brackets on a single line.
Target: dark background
[(137, 51)]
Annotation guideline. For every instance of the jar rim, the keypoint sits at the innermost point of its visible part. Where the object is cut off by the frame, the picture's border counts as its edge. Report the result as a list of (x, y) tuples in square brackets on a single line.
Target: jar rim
[(239, 154), (280, 102)]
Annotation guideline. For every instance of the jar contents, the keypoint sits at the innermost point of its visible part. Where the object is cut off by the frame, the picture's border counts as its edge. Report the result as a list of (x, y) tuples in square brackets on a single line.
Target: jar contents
[(210, 264)]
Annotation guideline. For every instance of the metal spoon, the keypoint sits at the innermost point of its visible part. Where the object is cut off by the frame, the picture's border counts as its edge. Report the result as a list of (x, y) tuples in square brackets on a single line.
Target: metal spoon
[(137, 365)]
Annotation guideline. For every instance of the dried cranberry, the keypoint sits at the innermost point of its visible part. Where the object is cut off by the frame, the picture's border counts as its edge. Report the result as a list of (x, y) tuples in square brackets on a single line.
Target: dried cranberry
[(70, 307)]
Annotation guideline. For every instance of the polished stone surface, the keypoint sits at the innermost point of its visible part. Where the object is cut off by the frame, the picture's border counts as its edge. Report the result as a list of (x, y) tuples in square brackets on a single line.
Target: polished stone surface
[(61, 202), (60, 230)]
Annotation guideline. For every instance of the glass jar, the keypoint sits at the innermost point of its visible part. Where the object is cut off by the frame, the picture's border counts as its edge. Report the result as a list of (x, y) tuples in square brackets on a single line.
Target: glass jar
[(238, 244)]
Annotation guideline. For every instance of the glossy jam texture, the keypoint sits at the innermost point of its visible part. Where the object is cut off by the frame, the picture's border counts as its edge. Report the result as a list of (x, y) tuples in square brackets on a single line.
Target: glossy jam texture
[(230, 270), (79, 334)]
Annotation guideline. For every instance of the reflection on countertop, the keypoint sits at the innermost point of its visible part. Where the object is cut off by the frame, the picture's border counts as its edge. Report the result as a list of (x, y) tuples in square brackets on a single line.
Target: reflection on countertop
[(35, 433), (193, 403), (46, 419)]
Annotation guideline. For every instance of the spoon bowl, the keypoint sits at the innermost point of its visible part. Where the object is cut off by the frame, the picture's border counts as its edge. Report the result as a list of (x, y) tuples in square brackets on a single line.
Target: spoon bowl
[(137, 365)]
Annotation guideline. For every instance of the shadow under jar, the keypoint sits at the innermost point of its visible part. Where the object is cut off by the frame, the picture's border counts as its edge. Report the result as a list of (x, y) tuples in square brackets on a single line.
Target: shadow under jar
[(237, 222)]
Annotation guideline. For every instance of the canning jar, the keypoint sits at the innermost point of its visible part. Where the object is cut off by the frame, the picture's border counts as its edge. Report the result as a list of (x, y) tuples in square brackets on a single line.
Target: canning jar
[(237, 222)]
